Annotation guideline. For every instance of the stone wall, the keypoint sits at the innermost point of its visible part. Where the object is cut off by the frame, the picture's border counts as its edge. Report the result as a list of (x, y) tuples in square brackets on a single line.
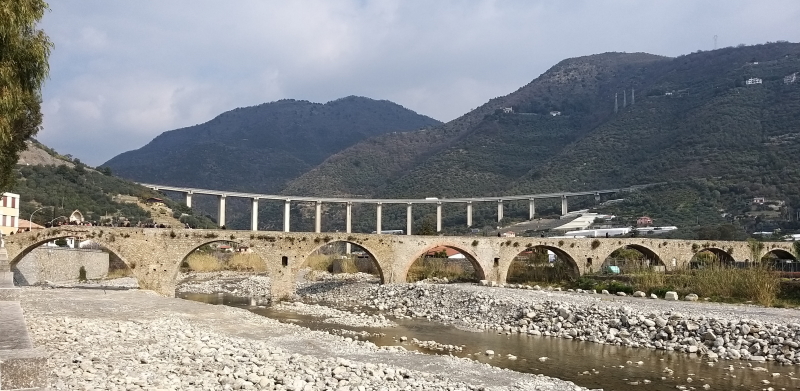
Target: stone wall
[(59, 265)]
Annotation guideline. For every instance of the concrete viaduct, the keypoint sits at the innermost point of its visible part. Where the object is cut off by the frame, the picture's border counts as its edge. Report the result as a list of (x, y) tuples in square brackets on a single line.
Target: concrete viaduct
[(379, 202), (155, 255)]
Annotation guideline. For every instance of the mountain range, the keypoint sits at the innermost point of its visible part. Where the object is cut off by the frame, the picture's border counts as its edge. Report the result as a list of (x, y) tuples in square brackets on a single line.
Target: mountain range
[(721, 126), (262, 148)]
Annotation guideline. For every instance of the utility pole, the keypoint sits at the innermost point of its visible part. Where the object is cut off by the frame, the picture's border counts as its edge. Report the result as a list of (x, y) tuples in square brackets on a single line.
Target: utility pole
[(616, 103)]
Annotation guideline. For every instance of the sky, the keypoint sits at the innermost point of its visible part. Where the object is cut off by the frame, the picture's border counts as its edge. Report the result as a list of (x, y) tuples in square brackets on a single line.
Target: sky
[(123, 72)]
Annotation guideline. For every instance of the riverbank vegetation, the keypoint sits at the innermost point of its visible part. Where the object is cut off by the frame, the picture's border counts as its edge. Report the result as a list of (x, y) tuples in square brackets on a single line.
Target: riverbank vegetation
[(441, 267), (200, 261)]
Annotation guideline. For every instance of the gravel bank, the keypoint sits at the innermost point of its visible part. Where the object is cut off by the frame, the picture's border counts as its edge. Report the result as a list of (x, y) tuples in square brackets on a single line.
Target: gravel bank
[(718, 331), (234, 283), (128, 340), (335, 316)]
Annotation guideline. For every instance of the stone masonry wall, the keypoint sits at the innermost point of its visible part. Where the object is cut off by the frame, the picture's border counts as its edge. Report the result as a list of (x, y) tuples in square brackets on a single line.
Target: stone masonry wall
[(154, 255), (59, 265)]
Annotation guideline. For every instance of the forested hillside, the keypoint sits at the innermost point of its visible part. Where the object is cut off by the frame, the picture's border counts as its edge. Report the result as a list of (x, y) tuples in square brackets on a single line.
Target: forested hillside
[(693, 121), (261, 148)]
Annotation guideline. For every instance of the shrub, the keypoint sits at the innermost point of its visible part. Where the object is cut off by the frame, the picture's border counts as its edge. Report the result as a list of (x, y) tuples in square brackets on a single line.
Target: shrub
[(429, 267), (200, 262), (82, 274), (614, 286), (595, 244), (246, 262)]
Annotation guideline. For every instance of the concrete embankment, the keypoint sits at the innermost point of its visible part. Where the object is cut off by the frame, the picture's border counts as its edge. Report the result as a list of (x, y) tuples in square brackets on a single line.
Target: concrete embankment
[(123, 340)]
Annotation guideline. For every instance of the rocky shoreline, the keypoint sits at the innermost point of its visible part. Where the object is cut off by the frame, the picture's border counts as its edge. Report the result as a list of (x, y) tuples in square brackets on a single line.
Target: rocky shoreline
[(715, 331)]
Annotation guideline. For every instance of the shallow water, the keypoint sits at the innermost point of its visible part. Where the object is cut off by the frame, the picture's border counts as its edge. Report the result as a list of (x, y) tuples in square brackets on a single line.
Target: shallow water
[(587, 364)]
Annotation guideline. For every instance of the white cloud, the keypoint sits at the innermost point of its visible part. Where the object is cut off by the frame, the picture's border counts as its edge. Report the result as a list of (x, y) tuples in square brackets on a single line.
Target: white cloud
[(123, 72)]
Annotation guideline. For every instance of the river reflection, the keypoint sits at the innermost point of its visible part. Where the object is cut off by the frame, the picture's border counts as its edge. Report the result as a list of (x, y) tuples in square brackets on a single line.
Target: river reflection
[(587, 364)]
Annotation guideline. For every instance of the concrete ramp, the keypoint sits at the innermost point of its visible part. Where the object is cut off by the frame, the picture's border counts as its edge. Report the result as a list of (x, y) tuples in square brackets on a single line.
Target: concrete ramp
[(7, 289), (22, 367)]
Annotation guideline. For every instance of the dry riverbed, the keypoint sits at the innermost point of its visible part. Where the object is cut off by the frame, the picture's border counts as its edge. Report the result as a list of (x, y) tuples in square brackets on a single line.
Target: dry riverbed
[(712, 330), (125, 340)]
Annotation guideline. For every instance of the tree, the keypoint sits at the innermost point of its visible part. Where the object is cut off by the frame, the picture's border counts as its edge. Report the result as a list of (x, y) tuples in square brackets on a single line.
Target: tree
[(24, 50)]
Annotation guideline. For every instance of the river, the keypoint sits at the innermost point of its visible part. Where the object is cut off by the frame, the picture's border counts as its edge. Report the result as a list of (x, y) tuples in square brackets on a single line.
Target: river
[(587, 364)]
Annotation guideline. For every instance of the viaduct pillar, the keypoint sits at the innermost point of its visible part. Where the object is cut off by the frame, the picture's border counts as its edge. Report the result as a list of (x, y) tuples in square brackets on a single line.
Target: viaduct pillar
[(189, 199), (531, 209), (564, 208), (378, 217), (287, 208), (318, 217), (348, 225), (438, 217), (254, 216), (409, 219), (499, 210), (597, 197), (222, 210), (469, 213)]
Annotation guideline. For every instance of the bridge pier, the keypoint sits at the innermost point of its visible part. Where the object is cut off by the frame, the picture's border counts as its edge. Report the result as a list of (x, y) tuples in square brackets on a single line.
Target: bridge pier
[(378, 217), (469, 213), (287, 209), (189, 198), (348, 225), (222, 210), (318, 217), (564, 208), (409, 218), (531, 209), (254, 216), (438, 217), (499, 210)]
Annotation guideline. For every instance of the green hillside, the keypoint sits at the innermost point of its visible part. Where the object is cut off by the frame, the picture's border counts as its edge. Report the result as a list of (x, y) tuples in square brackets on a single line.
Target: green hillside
[(62, 185)]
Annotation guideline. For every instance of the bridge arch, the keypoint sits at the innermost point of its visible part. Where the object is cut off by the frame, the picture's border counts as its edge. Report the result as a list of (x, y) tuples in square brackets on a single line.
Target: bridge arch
[(649, 257), (370, 252), (520, 267), (717, 256), (178, 265), (480, 272), (103, 242), (778, 253)]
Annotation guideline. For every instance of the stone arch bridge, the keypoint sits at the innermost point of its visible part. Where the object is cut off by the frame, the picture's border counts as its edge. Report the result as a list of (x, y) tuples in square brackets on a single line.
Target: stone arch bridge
[(155, 255)]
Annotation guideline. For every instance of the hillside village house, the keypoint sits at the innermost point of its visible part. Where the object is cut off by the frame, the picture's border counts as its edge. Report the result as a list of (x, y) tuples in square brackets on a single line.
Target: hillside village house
[(25, 225), (754, 80), (9, 213), (153, 201), (644, 221)]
